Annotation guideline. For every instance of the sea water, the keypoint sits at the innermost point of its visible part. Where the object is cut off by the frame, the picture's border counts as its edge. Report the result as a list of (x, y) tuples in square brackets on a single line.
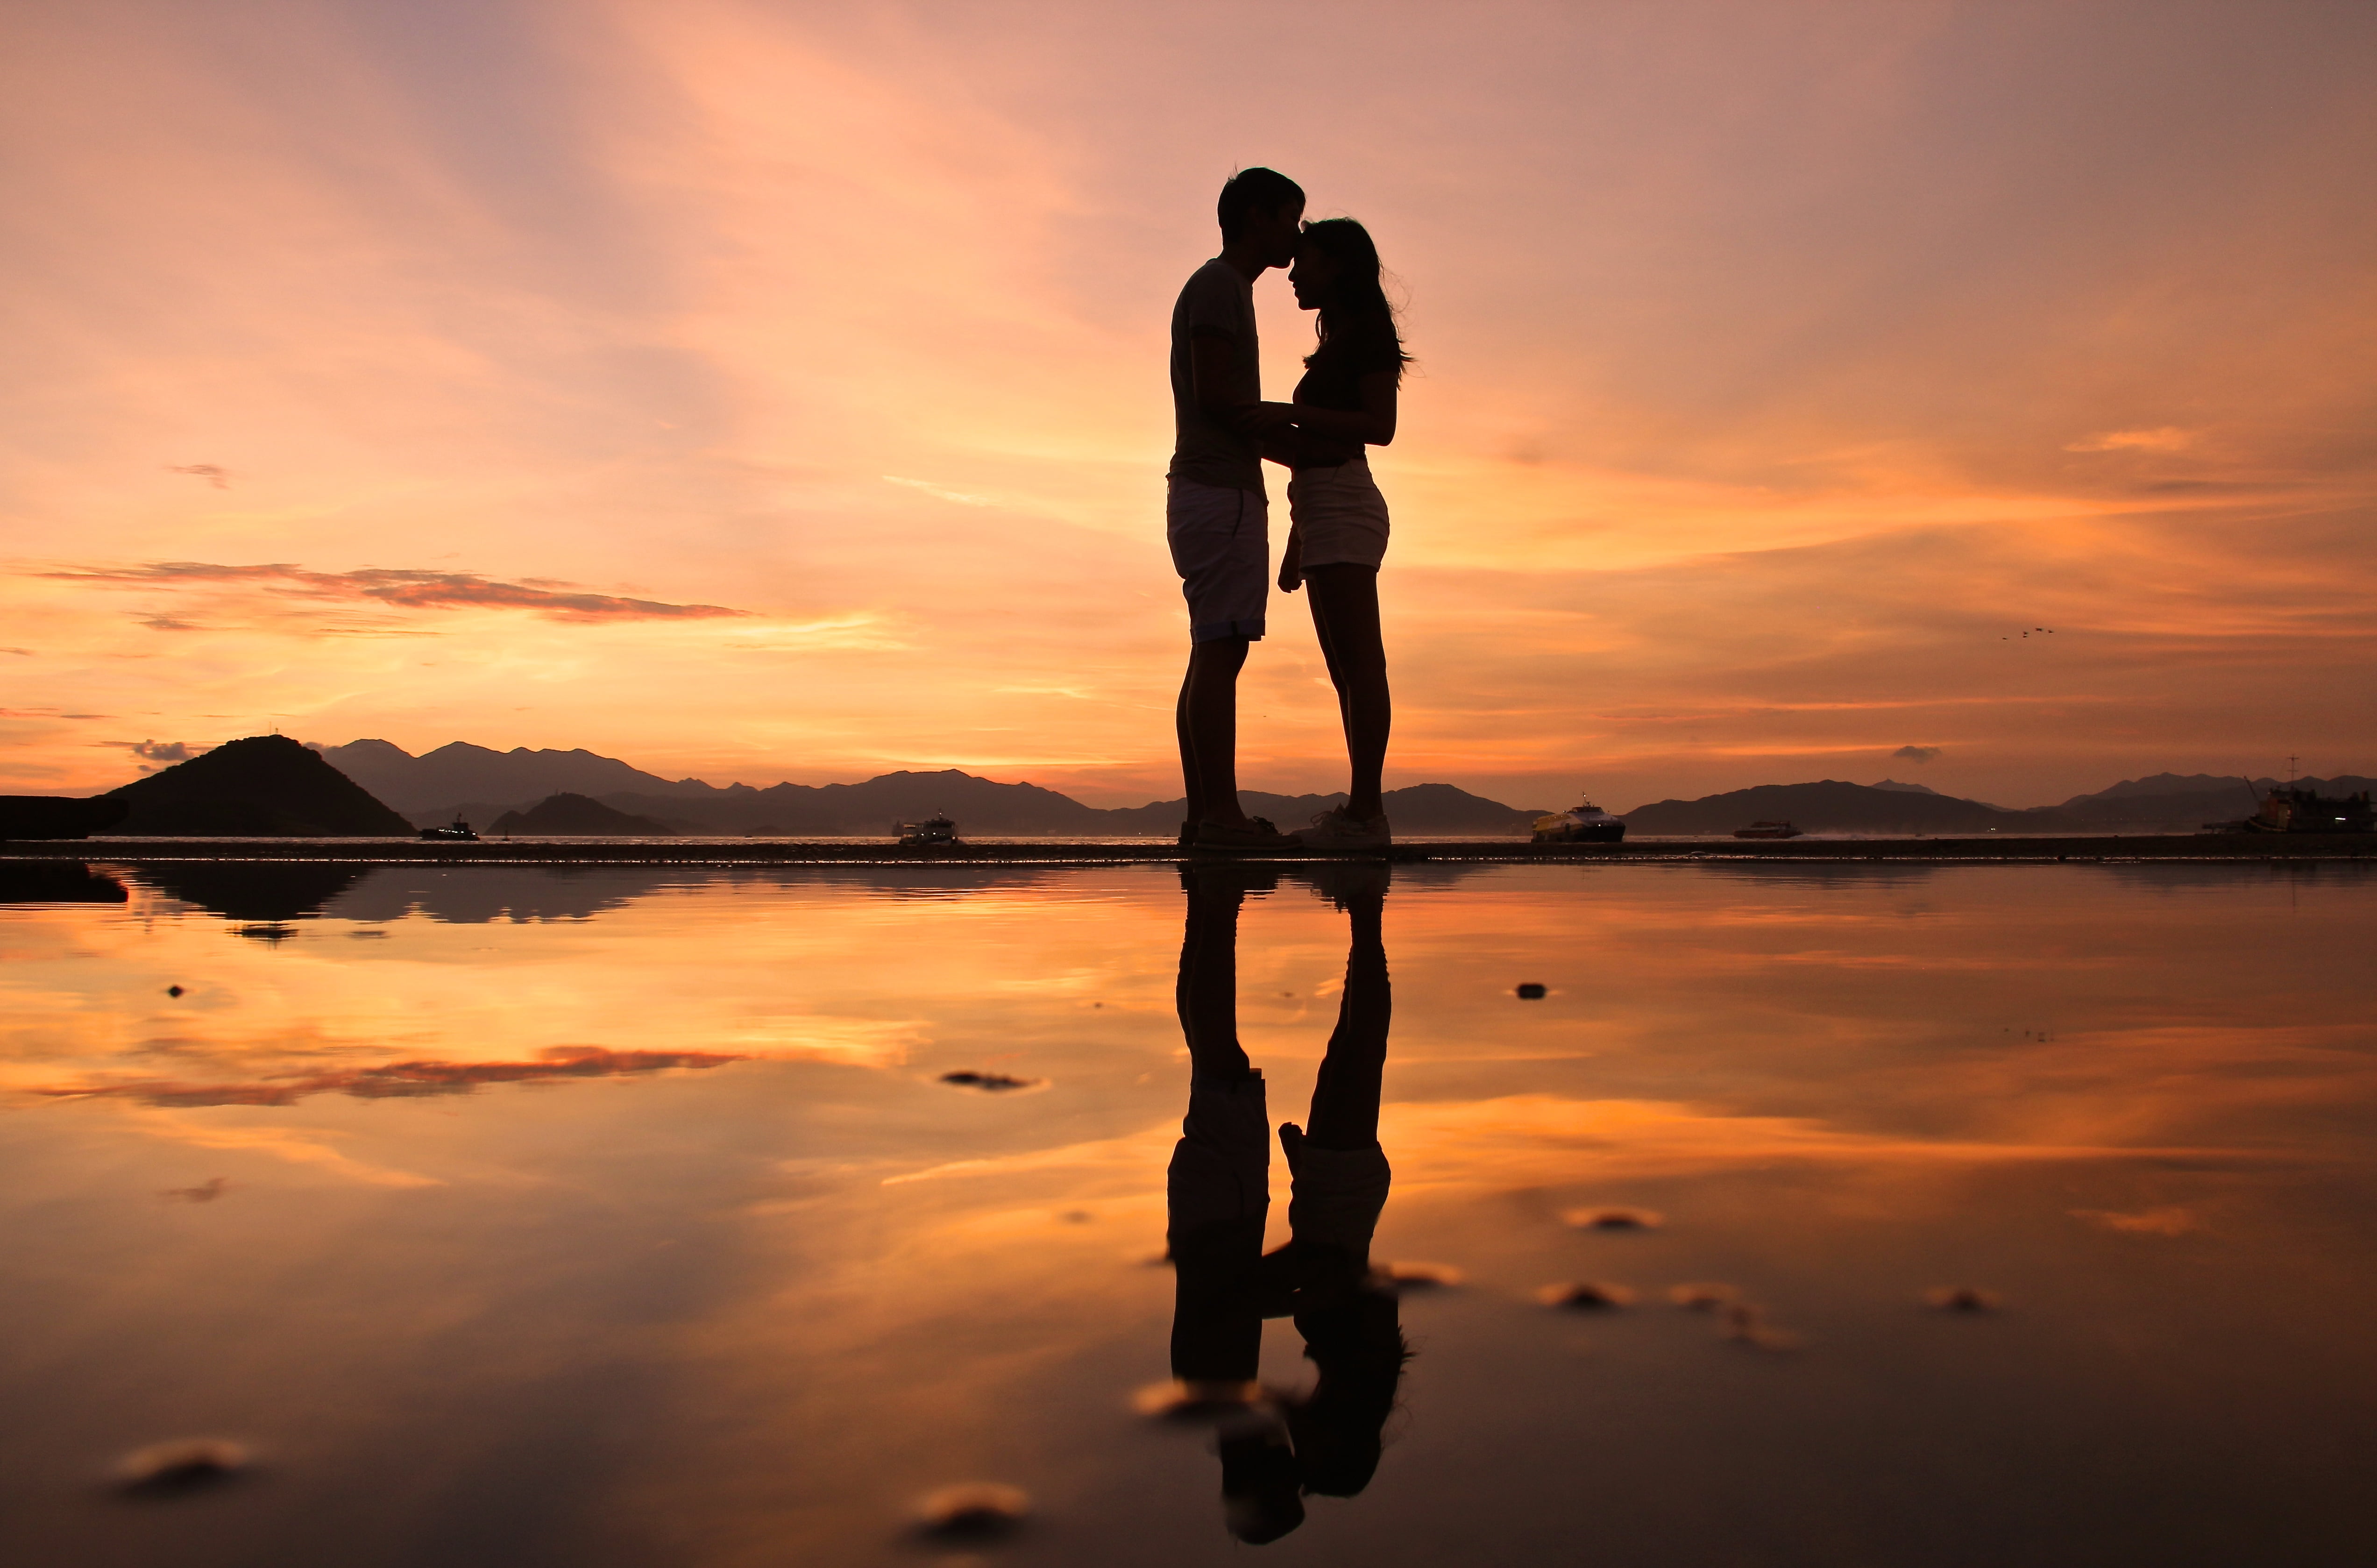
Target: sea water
[(1936, 1215)]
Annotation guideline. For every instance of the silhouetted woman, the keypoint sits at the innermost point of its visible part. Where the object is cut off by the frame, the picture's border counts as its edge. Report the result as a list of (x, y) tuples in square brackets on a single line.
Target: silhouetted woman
[(1338, 521)]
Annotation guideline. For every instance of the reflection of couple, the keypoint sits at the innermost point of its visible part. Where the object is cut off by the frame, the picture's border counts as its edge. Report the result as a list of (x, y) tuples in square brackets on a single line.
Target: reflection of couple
[(1218, 1193), (1216, 513)]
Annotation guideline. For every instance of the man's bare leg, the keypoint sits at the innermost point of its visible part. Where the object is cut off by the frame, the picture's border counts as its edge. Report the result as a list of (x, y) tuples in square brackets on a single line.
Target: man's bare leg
[(1208, 722)]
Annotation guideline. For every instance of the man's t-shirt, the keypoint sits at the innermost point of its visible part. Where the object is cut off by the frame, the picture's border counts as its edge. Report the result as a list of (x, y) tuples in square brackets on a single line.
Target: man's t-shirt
[(1218, 299)]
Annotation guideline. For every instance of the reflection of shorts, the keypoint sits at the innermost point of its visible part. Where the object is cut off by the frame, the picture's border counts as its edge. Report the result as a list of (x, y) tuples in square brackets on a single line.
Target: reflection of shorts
[(1340, 516), (1338, 1196), (1220, 1167), (1220, 547)]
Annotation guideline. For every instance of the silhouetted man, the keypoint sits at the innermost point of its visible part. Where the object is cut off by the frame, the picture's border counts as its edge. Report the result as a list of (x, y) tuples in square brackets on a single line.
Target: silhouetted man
[(1216, 514)]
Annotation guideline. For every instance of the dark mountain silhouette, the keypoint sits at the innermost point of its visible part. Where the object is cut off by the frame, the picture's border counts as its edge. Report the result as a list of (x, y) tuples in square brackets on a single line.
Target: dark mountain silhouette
[(460, 772), (977, 804), (574, 814), (58, 816), (264, 785), (1827, 805)]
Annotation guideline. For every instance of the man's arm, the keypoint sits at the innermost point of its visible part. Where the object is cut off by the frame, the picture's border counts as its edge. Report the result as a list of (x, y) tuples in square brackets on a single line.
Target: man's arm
[(1212, 367), (1374, 426)]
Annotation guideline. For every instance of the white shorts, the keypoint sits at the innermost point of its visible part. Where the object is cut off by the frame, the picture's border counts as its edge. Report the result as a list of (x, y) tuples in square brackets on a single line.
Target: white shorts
[(1339, 515), (1220, 547)]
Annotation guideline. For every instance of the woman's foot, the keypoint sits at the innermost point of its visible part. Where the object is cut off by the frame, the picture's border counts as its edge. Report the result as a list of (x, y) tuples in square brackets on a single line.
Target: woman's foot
[(1339, 829)]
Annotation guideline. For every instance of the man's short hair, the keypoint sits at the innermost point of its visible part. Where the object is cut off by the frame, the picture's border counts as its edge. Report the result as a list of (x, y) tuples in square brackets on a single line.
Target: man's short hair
[(1252, 190)]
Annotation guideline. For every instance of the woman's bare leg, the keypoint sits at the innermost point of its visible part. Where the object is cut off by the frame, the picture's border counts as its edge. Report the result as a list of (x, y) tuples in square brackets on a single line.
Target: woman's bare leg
[(1345, 614)]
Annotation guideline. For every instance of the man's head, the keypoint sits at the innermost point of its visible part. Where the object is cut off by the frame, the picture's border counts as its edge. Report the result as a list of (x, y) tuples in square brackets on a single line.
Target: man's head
[(1260, 210)]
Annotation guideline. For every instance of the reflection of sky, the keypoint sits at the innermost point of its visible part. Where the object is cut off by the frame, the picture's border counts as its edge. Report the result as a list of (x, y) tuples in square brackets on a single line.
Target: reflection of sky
[(740, 1310)]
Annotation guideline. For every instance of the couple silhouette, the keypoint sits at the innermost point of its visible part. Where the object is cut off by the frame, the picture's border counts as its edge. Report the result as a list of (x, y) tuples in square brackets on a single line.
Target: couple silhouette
[(1217, 510), (1276, 1447)]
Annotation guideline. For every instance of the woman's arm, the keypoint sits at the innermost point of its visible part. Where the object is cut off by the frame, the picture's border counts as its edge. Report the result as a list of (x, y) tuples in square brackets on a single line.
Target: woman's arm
[(1374, 426)]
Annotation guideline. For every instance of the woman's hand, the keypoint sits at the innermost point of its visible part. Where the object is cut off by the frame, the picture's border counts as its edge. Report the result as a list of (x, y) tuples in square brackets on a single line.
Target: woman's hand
[(1290, 563)]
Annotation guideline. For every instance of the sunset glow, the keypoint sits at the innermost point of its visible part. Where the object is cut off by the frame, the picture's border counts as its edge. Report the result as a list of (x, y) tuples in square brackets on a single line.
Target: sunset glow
[(761, 391)]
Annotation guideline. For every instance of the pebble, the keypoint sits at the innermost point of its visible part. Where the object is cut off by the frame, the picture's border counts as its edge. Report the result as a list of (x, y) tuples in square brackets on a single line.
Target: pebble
[(1585, 1296), (973, 1511), (1963, 1299), (1614, 1219), (184, 1465), (1531, 991)]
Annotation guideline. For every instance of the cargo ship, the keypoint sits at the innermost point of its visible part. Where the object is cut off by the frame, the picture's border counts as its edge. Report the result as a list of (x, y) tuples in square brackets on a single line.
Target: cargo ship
[(1767, 830), (2289, 809)]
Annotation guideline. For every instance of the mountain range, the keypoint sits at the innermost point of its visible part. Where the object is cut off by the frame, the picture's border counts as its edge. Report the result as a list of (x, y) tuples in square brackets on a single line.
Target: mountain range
[(482, 785)]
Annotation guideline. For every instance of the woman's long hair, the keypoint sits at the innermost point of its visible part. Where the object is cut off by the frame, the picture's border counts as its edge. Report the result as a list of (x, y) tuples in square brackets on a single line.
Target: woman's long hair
[(1357, 315)]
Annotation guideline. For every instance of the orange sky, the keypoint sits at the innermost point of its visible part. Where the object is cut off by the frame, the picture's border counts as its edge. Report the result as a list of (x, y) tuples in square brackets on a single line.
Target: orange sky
[(1777, 365)]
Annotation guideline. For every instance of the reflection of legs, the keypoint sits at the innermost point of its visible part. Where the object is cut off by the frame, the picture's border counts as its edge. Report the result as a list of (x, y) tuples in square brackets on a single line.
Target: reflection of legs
[(1346, 1097), (1217, 1195), (1346, 613), (1206, 719), (1341, 1174)]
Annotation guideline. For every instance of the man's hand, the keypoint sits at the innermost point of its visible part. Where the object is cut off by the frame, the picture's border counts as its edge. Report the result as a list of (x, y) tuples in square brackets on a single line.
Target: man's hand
[(1290, 563), (1264, 420)]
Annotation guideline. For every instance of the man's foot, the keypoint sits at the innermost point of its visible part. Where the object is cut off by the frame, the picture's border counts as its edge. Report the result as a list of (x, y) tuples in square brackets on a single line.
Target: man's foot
[(1255, 832), (1339, 829)]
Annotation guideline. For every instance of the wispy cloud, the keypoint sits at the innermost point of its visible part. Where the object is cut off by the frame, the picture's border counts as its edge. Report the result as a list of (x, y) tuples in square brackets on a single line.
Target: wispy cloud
[(1916, 753), (929, 488), (2167, 438), (405, 588)]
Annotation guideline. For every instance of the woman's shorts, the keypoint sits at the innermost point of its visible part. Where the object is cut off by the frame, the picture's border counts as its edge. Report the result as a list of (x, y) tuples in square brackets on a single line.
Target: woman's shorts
[(1339, 515)]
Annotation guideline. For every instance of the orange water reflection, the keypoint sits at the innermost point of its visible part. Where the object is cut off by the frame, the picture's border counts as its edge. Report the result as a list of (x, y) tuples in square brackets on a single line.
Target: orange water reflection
[(623, 1216)]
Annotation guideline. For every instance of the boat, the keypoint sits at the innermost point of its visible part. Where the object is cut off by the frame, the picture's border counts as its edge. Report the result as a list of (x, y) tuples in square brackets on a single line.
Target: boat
[(454, 832), (933, 830), (1767, 830), (1584, 823), (2291, 809)]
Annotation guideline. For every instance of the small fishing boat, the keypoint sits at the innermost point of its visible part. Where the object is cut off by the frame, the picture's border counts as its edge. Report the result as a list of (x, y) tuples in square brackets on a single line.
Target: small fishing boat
[(933, 830), (1767, 830), (454, 832), (1585, 823)]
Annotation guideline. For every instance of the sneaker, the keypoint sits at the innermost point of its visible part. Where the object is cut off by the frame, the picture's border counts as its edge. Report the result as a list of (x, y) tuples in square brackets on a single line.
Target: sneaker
[(1255, 832), (1339, 828)]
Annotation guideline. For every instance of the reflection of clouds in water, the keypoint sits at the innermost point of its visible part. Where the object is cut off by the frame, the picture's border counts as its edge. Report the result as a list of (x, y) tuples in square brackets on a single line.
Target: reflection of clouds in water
[(399, 1079)]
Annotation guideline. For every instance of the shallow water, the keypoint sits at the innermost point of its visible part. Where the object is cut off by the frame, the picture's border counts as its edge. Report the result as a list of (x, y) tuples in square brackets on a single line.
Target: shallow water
[(618, 1216)]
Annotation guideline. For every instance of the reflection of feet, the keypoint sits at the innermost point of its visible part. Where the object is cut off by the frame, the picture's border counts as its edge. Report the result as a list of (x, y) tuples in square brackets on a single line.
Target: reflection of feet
[(1219, 878), (1254, 834), (1346, 882), (1339, 829)]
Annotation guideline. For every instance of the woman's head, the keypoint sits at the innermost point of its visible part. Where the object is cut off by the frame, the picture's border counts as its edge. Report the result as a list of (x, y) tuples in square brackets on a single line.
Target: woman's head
[(1337, 274)]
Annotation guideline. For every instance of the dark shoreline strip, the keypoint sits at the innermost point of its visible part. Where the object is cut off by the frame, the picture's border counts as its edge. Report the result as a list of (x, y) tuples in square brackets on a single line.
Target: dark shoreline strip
[(2240, 847)]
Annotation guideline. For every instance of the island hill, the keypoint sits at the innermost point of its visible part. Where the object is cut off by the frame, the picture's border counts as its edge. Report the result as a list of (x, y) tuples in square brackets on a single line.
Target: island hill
[(270, 785)]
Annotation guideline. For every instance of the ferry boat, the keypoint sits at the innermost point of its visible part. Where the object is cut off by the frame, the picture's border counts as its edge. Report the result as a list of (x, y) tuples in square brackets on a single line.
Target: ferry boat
[(933, 830), (1767, 830), (1585, 823), (454, 832)]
